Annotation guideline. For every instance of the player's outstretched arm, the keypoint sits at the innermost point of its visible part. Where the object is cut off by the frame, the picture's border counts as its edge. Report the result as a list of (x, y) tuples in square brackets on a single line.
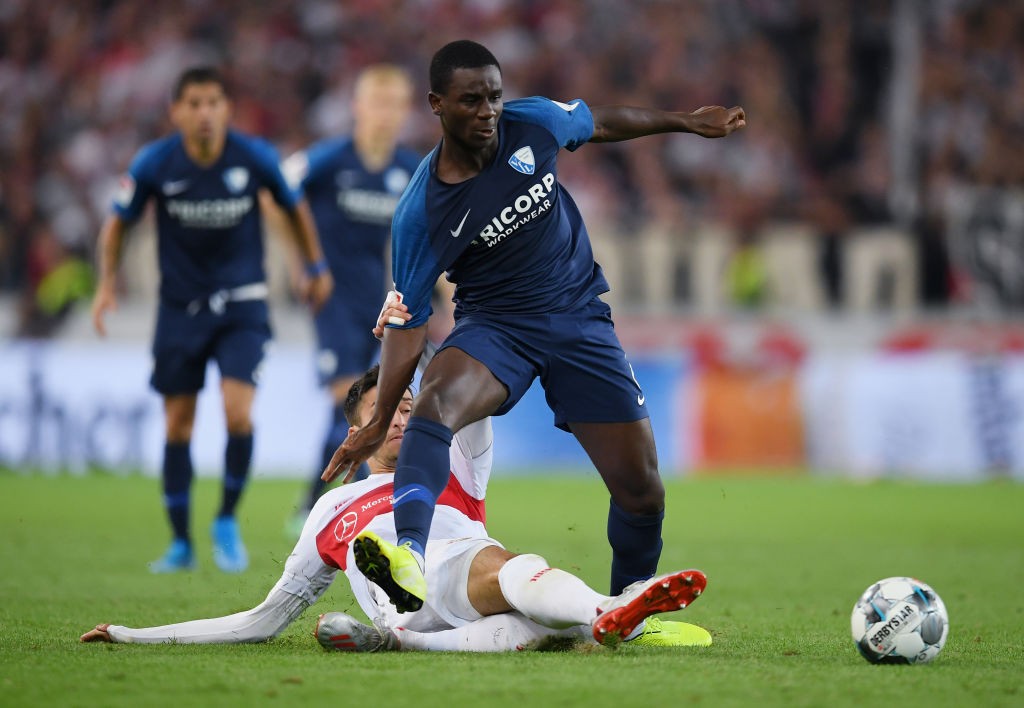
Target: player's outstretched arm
[(616, 123), (110, 240), (263, 622)]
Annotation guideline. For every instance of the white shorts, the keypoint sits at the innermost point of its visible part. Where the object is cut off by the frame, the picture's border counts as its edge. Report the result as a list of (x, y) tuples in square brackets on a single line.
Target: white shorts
[(447, 574)]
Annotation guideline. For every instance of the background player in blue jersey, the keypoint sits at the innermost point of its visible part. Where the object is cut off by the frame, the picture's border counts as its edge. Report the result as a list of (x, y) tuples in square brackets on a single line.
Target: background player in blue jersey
[(486, 206), (204, 180), (353, 185)]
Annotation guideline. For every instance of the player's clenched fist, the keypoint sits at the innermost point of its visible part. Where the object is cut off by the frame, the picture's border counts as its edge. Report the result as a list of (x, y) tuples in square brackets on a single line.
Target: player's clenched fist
[(716, 121)]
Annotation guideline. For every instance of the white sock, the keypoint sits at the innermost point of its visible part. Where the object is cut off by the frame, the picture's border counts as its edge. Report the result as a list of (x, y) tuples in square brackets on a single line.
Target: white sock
[(548, 596), (507, 632)]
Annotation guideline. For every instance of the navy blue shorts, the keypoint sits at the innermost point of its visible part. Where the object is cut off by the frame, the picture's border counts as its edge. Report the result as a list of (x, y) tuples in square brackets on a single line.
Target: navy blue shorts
[(579, 360), (345, 342), (184, 343)]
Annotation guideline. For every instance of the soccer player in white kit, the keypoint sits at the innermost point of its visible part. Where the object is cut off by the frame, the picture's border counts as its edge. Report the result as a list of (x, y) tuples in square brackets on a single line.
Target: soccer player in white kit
[(482, 597)]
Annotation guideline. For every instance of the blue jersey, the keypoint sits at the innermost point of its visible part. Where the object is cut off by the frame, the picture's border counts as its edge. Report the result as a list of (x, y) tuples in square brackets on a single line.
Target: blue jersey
[(209, 229), (511, 238), (353, 208)]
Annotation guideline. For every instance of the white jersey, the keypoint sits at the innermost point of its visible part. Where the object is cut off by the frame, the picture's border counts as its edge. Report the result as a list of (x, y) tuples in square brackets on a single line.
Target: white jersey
[(325, 545)]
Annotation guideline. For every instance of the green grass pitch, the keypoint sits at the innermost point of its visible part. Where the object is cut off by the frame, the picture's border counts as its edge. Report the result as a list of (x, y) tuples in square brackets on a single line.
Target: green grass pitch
[(786, 558)]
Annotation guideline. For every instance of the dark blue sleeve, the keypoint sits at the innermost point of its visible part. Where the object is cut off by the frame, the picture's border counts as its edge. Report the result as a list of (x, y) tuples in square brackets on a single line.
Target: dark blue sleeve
[(137, 184), (571, 123), (265, 157), (413, 262)]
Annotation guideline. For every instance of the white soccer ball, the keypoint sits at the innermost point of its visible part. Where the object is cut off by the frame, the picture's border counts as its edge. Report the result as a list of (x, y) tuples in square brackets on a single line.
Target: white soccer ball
[(899, 621)]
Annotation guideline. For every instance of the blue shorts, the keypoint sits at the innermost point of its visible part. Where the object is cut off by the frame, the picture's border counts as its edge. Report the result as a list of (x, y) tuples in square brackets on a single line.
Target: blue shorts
[(579, 360), (345, 342), (184, 343)]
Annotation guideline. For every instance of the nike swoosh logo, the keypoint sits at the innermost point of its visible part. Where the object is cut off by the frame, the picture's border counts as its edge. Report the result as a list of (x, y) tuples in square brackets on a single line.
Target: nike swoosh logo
[(172, 188), (395, 500), (456, 232)]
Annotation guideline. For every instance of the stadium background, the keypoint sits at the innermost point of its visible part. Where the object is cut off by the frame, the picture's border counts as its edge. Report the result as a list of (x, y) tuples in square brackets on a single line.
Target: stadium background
[(837, 288)]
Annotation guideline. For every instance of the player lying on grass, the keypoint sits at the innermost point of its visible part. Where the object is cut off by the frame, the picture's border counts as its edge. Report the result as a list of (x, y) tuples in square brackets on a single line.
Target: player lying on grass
[(483, 598)]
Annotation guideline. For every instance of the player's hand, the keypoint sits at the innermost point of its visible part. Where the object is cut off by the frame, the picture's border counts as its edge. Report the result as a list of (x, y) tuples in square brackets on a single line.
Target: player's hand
[(104, 299), (100, 634), (319, 289), (356, 449), (393, 312), (716, 121)]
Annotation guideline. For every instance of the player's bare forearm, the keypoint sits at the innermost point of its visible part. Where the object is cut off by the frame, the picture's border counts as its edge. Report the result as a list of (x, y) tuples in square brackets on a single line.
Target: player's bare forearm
[(617, 123), (400, 352), (304, 232), (303, 228), (110, 240)]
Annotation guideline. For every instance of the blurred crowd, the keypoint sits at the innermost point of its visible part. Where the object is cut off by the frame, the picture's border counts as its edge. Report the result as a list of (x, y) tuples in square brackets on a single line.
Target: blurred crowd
[(861, 113)]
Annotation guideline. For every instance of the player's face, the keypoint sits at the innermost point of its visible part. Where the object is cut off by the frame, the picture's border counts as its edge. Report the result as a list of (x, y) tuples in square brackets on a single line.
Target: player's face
[(381, 107), (387, 453), (471, 106), (202, 112)]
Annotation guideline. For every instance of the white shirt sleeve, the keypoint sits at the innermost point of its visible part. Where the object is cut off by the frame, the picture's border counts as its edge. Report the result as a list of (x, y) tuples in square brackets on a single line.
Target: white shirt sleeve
[(472, 456), (265, 621), (304, 581)]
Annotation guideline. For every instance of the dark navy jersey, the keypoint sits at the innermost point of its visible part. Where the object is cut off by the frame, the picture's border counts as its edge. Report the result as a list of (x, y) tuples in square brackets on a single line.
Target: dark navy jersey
[(209, 229), (353, 208), (510, 238)]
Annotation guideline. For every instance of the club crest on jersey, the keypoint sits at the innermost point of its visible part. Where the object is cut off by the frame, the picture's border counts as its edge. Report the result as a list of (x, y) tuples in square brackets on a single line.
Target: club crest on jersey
[(522, 160), (236, 179), (395, 180), (125, 191)]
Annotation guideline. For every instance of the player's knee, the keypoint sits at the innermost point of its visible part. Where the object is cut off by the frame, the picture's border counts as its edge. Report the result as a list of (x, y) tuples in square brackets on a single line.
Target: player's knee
[(237, 417), (644, 495), (239, 424), (434, 403), (447, 404), (178, 428)]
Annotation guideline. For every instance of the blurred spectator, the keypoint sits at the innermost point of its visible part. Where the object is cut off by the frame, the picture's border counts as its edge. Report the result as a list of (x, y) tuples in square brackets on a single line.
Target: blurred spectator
[(82, 83)]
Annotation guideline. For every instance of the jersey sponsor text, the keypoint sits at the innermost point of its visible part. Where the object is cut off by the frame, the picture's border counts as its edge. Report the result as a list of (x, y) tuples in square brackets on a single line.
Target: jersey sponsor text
[(210, 213), (367, 205), (523, 209)]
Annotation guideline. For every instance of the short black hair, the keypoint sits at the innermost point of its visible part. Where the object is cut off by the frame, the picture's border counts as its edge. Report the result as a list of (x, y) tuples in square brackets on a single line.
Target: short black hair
[(198, 75), (460, 54), (355, 394)]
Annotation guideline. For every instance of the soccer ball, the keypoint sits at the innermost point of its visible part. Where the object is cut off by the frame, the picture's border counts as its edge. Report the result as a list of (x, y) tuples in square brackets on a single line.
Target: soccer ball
[(899, 621)]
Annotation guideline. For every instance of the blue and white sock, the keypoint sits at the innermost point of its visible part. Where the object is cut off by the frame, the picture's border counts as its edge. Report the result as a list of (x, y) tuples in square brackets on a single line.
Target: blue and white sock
[(237, 461), (421, 475), (177, 481)]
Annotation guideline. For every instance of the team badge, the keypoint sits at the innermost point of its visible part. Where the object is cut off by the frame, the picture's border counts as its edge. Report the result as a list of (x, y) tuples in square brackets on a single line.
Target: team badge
[(522, 160), (236, 179), (125, 191), (395, 180)]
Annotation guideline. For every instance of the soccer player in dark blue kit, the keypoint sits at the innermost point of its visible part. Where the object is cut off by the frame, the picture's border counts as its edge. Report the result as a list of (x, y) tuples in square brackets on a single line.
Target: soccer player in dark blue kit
[(353, 185), (204, 179), (486, 206)]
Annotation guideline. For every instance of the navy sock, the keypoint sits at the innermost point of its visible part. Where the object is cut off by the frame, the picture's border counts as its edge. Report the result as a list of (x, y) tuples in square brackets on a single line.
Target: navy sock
[(177, 478), (237, 459), (636, 546), (420, 476)]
